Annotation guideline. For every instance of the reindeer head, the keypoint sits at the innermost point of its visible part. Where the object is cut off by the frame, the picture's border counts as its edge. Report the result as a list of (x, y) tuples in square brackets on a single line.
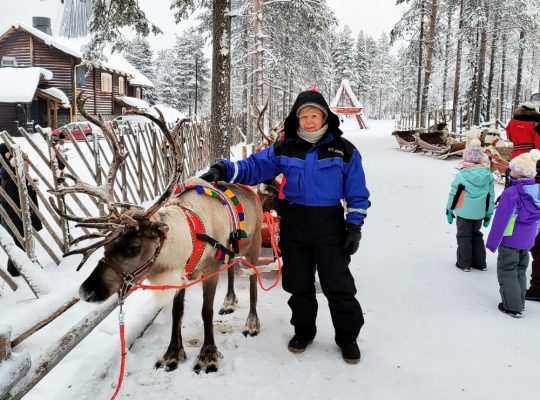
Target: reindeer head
[(130, 236)]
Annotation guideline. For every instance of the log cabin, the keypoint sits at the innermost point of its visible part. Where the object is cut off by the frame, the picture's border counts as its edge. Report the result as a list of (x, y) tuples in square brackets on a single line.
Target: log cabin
[(40, 76)]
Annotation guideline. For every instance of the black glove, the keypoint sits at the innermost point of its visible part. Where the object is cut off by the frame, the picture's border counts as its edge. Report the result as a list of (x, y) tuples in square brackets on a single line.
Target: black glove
[(352, 240), (217, 172)]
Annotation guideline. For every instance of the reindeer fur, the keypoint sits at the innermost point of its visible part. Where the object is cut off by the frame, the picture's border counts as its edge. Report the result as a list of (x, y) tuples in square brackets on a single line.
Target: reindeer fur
[(169, 267)]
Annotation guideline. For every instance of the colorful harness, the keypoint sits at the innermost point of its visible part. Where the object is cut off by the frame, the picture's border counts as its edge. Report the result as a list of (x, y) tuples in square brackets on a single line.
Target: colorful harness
[(199, 238)]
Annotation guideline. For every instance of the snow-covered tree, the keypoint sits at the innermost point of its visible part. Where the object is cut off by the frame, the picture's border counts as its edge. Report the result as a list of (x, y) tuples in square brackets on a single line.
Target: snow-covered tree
[(139, 53)]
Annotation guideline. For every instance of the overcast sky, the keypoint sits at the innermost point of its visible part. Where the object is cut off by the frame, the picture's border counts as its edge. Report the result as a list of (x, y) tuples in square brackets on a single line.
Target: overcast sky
[(372, 17)]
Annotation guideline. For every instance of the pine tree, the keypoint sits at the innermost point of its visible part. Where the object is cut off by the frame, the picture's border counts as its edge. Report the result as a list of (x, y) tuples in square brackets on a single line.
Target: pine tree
[(139, 54)]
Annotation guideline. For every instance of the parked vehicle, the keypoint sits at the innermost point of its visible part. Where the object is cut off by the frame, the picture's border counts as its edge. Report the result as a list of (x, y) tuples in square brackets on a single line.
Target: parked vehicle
[(89, 131)]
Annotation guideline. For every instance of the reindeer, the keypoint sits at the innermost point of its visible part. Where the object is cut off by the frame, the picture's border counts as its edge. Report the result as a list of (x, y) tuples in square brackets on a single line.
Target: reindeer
[(156, 242)]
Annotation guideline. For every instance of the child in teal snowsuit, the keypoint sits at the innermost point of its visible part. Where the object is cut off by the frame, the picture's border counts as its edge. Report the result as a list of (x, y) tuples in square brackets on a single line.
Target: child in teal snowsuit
[(471, 199)]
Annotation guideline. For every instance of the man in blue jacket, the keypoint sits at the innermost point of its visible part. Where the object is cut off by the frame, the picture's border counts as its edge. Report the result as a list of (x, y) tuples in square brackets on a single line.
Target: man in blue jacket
[(320, 169)]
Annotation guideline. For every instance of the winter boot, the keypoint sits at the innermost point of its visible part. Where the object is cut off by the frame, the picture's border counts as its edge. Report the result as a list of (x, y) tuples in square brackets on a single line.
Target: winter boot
[(464, 269), (533, 293), (515, 314), (350, 353), (299, 343)]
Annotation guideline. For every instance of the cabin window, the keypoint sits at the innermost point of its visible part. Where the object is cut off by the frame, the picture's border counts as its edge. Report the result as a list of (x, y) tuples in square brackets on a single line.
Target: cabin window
[(138, 92), (106, 82), (9, 61), (121, 85)]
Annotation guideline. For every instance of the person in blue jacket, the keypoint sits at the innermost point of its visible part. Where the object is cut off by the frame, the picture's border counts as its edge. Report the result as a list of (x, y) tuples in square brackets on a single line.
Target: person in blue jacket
[(320, 169)]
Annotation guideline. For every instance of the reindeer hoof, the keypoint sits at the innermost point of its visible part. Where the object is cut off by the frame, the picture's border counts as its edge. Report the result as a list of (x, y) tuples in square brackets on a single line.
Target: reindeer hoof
[(246, 332), (170, 361), (210, 368), (225, 311), (208, 359)]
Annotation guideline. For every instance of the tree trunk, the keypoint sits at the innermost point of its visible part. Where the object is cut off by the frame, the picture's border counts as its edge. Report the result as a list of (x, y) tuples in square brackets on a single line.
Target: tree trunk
[(517, 97), (458, 69), (220, 140), (446, 56), (257, 67), (494, 41), (481, 69), (420, 62), (503, 73), (429, 58)]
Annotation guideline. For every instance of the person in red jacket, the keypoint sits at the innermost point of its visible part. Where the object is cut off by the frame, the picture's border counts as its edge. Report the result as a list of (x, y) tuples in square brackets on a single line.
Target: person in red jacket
[(523, 130)]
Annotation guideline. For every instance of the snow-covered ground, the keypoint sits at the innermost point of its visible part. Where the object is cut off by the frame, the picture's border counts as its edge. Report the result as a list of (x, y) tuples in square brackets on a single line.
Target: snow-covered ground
[(431, 332)]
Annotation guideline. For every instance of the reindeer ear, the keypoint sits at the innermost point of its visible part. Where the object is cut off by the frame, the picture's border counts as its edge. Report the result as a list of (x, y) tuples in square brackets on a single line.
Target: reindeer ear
[(153, 229)]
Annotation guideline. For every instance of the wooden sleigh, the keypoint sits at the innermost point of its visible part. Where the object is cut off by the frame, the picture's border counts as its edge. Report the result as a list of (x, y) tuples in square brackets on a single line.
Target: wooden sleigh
[(437, 143), (499, 158), (407, 140)]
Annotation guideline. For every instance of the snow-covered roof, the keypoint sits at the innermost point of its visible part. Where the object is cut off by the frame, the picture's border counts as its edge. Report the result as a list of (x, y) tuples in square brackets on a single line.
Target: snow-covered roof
[(170, 114), (19, 84), (345, 86), (133, 102), (137, 77), (57, 94), (73, 47)]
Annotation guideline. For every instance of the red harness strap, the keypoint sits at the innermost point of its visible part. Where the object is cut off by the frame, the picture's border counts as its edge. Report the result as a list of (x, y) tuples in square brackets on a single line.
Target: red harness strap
[(195, 227)]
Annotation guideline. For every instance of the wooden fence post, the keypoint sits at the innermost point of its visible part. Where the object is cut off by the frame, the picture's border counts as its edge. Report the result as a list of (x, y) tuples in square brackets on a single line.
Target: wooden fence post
[(5, 342)]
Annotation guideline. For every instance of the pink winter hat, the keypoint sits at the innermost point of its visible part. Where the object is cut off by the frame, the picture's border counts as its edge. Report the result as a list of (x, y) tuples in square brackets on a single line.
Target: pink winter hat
[(474, 153), (525, 164)]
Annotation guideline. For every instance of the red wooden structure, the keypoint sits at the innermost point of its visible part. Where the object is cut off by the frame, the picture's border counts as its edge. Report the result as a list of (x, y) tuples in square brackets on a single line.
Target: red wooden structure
[(346, 103)]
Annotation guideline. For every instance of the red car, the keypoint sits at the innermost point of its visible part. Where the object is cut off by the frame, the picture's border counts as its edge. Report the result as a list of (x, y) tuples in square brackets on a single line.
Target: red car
[(74, 128)]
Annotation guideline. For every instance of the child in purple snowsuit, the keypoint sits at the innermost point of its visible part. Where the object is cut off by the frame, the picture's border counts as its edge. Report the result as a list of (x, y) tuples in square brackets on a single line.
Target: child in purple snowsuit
[(514, 229)]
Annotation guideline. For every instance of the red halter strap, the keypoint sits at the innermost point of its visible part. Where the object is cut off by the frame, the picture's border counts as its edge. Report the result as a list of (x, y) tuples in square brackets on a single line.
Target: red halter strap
[(195, 227)]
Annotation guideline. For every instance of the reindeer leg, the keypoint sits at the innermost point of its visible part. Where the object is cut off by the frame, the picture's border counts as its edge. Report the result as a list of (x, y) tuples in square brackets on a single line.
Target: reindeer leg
[(252, 327), (230, 303), (209, 354), (175, 352)]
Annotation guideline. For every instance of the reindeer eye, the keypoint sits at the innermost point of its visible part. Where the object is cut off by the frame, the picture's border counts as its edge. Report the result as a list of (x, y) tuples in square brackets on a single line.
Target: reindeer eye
[(132, 250)]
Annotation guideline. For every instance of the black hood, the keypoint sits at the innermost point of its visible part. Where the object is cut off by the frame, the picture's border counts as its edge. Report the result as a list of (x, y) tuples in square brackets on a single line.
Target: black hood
[(311, 96), (3, 150)]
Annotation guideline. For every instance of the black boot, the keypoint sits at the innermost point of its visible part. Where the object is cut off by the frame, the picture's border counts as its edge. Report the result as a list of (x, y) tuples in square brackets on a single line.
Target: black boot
[(12, 269), (350, 353), (299, 343)]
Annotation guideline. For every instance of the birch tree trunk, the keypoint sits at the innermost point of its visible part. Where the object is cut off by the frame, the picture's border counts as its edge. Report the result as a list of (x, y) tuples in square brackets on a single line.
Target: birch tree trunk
[(429, 58), (457, 76), (257, 67), (221, 75)]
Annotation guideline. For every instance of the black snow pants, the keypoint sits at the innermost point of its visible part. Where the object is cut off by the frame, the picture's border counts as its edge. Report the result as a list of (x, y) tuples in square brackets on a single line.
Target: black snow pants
[(311, 239), (471, 251)]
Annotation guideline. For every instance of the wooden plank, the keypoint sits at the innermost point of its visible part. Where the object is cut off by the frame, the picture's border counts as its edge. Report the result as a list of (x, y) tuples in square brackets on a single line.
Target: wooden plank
[(11, 283)]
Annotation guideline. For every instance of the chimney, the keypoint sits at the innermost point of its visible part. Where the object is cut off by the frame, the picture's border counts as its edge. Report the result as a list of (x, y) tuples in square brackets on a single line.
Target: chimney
[(43, 24)]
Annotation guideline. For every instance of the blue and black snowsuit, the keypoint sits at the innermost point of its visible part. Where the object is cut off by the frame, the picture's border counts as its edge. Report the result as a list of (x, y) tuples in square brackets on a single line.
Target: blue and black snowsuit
[(313, 227)]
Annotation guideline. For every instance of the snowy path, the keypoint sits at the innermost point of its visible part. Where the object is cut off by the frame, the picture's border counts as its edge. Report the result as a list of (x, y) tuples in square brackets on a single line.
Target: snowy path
[(432, 331)]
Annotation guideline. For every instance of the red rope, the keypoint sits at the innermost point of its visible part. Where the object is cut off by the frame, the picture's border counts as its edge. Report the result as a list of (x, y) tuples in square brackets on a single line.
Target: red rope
[(269, 220), (122, 360)]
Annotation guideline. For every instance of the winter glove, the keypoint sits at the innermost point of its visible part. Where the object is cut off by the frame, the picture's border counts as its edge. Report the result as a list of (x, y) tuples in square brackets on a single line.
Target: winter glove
[(450, 216), (352, 240), (487, 220), (217, 172)]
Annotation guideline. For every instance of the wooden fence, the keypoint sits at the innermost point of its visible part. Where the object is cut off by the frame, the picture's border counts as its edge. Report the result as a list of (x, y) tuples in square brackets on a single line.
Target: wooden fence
[(142, 177)]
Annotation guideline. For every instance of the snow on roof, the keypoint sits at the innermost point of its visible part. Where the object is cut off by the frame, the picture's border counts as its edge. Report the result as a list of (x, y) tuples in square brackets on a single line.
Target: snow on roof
[(345, 86), (122, 64), (170, 114), (73, 47), (19, 84), (58, 94), (133, 101)]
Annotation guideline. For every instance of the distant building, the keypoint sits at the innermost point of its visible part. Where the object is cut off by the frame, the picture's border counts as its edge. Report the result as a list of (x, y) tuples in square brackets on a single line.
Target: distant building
[(40, 75)]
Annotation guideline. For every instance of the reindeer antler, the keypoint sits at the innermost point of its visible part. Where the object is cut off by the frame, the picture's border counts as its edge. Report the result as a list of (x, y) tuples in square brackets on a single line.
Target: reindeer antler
[(114, 223), (259, 120), (174, 138)]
